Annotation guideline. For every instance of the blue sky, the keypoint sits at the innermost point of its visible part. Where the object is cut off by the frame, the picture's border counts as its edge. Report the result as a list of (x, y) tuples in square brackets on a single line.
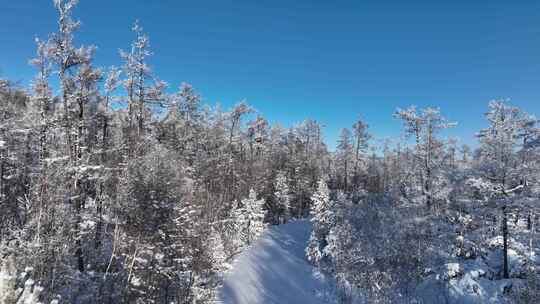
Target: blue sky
[(326, 60)]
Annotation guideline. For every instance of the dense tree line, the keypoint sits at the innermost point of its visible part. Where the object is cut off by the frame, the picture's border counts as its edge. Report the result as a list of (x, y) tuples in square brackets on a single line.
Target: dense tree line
[(115, 188), (427, 211)]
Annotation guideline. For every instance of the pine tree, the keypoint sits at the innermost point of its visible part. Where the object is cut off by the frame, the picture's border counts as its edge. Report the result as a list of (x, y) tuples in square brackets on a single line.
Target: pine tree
[(282, 196), (250, 217), (322, 219)]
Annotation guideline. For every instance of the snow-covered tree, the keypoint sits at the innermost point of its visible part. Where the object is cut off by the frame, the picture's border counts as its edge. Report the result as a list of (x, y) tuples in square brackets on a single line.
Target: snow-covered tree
[(10, 290), (8, 283), (282, 196), (424, 126), (113, 190), (361, 139), (344, 157), (322, 219), (142, 87), (250, 218), (119, 204), (503, 174)]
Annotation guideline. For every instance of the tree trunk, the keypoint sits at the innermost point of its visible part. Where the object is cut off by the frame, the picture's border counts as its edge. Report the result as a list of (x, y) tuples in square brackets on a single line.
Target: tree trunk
[(99, 202), (345, 181), (356, 159), (427, 189), (99, 225), (505, 243), (2, 174)]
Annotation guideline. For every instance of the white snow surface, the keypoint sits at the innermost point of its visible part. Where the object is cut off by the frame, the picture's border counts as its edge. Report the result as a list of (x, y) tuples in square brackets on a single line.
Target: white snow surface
[(274, 270)]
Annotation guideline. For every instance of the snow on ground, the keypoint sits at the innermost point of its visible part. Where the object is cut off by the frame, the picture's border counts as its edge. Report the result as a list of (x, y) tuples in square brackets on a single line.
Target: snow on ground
[(471, 281), (274, 270)]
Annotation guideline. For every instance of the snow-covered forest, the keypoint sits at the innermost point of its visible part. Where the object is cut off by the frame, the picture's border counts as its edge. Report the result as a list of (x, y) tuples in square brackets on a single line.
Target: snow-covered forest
[(113, 189)]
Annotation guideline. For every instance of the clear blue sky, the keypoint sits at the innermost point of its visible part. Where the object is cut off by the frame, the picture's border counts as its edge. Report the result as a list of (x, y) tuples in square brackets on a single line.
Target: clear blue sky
[(327, 60)]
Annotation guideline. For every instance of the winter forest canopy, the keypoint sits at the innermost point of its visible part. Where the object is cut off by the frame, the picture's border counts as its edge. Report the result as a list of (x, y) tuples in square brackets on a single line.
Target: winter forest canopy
[(115, 190)]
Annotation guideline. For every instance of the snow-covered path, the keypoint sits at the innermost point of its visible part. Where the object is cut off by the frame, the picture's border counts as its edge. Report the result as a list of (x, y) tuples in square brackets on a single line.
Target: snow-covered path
[(274, 270)]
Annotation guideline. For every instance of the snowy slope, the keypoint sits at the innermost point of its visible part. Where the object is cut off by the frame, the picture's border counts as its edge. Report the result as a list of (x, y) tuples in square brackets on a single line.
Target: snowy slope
[(274, 270)]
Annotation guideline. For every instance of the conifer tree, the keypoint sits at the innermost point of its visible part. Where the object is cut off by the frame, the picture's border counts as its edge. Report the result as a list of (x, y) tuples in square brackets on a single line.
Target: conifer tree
[(282, 196)]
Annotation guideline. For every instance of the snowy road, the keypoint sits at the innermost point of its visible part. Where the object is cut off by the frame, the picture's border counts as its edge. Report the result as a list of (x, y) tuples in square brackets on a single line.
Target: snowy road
[(274, 270)]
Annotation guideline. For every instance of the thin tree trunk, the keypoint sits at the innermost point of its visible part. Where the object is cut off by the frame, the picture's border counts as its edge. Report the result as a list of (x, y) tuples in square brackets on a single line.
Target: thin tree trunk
[(505, 243), (531, 233), (99, 207), (345, 181)]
